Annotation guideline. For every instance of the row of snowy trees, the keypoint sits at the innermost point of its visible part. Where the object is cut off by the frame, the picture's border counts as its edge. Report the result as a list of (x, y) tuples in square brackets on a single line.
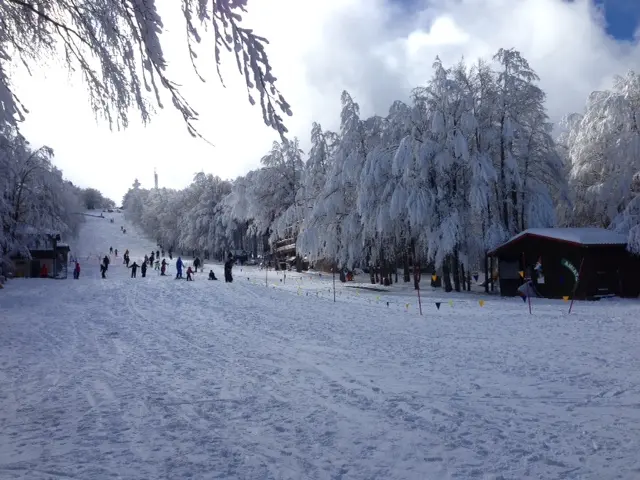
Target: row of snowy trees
[(468, 163), (34, 196)]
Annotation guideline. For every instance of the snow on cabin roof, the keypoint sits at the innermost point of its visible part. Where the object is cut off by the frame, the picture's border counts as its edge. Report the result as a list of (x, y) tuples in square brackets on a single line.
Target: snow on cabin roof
[(586, 236)]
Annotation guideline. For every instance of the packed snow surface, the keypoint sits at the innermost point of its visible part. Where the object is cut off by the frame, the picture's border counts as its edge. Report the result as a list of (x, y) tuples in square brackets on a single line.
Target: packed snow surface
[(157, 378)]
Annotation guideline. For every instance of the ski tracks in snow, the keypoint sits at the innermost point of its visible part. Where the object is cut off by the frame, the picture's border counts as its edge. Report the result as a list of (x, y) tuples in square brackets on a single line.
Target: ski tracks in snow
[(162, 379)]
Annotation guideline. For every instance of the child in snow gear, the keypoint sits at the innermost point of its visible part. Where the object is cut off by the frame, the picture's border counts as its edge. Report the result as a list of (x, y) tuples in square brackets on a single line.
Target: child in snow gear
[(189, 272), (178, 268), (163, 269), (143, 269), (134, 269), (156, 265), (116, 252), (76, 271), (212, 276), (228, 265)]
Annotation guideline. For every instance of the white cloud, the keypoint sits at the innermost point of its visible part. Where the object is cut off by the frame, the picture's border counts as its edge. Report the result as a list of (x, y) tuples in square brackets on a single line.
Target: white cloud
[(376, 50)]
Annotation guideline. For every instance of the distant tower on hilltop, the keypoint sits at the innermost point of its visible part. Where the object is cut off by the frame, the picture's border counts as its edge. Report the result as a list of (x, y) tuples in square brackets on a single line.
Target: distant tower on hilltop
[(155, 178)]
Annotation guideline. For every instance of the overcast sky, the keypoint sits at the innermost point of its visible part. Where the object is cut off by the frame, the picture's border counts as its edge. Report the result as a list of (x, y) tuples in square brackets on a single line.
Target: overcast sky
[(377, 50)]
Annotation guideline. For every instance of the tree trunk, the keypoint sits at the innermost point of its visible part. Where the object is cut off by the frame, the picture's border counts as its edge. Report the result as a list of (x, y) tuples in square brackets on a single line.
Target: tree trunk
[(405, 266), (446, 277), (455, 267), (486, 273), (462, 274)]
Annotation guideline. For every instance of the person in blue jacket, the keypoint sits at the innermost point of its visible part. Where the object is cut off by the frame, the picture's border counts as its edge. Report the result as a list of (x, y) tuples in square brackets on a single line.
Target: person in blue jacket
[(179, 268)]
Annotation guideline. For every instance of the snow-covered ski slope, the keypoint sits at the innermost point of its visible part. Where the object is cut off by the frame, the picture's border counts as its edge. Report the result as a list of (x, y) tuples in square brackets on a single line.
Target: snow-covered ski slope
[(156, 378)]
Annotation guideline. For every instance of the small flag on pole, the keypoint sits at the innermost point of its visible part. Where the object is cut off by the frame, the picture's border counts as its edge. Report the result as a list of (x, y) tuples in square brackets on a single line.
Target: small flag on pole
[(434, 277), (481, 302), (521, 274), (566, 298), (438, 305), (475, 277)]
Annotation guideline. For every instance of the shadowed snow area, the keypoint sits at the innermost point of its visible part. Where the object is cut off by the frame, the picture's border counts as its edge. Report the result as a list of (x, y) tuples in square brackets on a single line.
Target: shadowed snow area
[(156, 378)]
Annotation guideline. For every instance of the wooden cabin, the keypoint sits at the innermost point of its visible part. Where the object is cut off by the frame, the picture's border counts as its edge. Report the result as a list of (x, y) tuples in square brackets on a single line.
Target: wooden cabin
[(556, 258)]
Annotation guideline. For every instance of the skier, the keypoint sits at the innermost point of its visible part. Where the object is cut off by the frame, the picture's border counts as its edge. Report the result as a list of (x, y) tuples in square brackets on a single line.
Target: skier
[(152, 258), (116, 252), (103, 270), (163, 269), (146, 259), (228, 265), (110, 250), (134, 268), (189, 272), (127, 259), (106, 261), (76, 271), (196, 263), (157, 253), (178, 268), (143, 270), (212, 276)]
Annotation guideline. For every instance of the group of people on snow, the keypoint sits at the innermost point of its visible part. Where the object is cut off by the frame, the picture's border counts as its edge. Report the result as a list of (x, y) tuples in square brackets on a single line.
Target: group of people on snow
[(153, 260)]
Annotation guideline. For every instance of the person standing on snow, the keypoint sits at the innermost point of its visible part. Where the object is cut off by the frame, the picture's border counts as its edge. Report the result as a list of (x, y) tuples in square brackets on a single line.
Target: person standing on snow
[(163, 269), (76, 271), (189, 272), (106, 261), (143, 269), (134, 269), (196, 263), (110, 249), (179, 268), (152, 258), (228, 265), (116, 252), (103, 270)]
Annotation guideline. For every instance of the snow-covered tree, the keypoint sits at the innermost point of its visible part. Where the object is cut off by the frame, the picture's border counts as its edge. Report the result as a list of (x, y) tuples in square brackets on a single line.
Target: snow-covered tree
[(118, 48)]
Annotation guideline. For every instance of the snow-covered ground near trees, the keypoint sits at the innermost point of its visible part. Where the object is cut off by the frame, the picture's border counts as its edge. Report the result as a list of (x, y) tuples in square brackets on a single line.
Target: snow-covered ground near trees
[(166, 379)]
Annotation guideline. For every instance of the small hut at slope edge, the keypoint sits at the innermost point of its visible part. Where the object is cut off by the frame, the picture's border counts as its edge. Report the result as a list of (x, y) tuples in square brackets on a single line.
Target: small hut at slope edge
[(556, 258)]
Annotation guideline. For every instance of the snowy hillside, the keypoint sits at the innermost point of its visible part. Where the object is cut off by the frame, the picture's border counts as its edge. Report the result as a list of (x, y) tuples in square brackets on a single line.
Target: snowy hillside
[(166, 379)]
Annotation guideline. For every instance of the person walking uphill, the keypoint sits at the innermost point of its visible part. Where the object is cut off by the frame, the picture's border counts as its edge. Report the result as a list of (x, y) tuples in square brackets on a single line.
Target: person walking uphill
[(106, 261), (134, 269), (196, 263), (143, 269), (179, 268)]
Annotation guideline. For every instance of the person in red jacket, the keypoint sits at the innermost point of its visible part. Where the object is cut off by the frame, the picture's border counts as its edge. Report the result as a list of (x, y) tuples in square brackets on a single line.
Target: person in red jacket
[(189, 272), (44, 272), (76, 271)]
